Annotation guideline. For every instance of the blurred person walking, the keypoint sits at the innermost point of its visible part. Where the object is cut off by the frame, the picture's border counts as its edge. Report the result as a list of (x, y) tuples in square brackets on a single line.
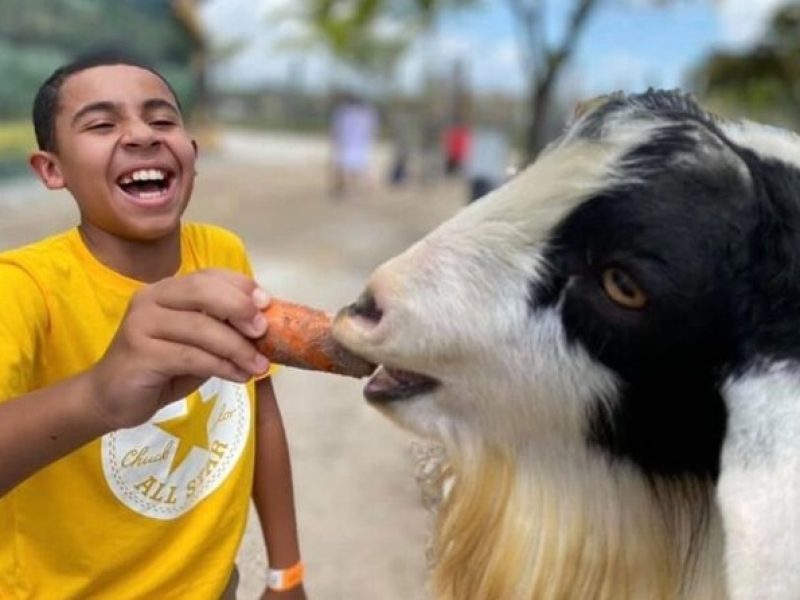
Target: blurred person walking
[(354, 126), (403, 142), (487, 162), (457, 141)]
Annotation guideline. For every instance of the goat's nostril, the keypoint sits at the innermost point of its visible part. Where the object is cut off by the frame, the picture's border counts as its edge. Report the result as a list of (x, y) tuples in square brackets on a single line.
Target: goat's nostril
[(366, 307)]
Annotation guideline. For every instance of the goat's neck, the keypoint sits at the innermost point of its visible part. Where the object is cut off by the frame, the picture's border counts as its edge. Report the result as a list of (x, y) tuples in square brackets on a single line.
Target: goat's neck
[(559, 527)]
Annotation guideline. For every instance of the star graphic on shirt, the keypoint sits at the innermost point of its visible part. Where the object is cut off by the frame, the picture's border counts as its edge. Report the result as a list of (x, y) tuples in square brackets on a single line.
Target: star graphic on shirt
[(191, 428)]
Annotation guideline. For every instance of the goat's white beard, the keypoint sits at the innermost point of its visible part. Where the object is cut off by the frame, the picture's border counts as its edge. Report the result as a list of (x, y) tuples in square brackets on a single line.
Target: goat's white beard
[(552, 525), (526, 509)]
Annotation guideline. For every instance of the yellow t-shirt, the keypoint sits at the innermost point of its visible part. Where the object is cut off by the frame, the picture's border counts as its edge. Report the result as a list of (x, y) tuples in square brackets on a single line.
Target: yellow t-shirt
[(155, 511)]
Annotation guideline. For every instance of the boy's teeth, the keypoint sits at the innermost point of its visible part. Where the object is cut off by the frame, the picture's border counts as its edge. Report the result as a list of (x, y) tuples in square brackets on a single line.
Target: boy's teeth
[(144, 175)]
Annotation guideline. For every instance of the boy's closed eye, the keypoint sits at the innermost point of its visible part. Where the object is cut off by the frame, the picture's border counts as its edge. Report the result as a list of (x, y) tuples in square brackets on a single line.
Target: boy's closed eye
[(163, 123), (100, 126)]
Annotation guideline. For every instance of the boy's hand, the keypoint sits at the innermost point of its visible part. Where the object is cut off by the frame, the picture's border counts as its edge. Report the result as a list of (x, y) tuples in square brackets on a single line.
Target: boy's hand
[(177, 333)]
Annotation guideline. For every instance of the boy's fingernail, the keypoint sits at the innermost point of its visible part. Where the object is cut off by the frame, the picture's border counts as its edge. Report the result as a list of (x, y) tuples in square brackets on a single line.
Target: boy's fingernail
[(261, 363), (259, 322), (260, 297)]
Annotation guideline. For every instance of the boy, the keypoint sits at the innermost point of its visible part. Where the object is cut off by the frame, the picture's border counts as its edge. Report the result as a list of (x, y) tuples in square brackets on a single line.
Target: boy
[(129, 420)]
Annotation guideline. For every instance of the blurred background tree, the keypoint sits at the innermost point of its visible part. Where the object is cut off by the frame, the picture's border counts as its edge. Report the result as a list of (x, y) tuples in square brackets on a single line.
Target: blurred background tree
[(365, 46), (38, 35), (764, 81), (348, 26)]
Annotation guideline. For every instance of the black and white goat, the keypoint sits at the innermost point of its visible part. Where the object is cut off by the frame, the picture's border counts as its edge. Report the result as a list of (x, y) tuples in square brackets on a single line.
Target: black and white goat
[(609, 348)]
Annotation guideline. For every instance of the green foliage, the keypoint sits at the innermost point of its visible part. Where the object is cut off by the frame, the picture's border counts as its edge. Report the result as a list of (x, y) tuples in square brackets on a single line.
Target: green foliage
[(762, 83), (351, 30), (16, 142), (36, 36), (16, 138)]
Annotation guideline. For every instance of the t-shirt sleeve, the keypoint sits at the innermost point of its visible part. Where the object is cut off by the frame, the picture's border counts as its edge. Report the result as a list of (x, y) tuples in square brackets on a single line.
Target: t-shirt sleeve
[(246, 267), (242, 262), (23, 321)]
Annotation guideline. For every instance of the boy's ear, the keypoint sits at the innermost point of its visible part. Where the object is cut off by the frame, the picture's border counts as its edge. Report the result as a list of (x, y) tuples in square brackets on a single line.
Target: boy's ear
[(196, 154), (46, 166)]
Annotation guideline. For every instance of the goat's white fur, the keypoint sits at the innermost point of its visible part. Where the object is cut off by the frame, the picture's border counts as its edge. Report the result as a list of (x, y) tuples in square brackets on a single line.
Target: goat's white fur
[(759, 490)]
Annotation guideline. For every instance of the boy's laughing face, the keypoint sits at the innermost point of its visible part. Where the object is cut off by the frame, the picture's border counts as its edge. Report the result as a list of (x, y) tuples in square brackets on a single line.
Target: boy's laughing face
[(122, 151)]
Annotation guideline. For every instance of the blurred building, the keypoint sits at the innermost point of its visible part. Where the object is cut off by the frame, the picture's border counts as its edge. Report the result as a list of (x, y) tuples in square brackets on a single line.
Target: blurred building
[(38, 35)]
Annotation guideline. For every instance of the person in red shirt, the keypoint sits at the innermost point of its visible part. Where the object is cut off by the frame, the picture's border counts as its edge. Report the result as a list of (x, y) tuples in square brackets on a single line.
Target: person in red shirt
[(456, 147)]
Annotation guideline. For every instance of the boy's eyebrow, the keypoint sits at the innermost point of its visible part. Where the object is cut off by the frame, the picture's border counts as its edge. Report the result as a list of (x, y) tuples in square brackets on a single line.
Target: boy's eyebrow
[(156, 103), (102, 106)]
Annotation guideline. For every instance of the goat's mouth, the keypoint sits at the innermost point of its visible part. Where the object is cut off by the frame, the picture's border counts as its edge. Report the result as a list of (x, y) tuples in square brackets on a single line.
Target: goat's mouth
[(389, 384), (357, 327)]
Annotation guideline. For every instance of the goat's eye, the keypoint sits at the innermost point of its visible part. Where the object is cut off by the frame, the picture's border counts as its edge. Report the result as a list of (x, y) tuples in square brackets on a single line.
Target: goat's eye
[(622, 289)]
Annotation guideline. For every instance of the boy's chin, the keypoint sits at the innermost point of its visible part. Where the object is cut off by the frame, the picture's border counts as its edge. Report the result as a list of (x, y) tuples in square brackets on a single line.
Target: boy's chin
[(142, 231), (154, 232)]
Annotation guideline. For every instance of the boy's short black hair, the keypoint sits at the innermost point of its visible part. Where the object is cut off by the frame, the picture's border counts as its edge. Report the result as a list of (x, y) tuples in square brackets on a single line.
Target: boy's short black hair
[(45, 103)]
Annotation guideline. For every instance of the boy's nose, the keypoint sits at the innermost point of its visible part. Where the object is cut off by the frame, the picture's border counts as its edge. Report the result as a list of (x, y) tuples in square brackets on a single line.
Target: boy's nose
[(140, 134)]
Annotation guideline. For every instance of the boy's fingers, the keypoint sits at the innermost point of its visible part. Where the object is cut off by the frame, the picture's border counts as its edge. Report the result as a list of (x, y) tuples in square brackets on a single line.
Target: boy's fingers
[(253, 328), (257, 326), (260, 297), (200, 331), (196, 362), (221, 297), (239, 280)]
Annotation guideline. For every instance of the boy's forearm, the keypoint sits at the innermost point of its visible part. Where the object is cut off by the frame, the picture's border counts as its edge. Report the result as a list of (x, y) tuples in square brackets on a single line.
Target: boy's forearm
[(272, 485), (42, 426)]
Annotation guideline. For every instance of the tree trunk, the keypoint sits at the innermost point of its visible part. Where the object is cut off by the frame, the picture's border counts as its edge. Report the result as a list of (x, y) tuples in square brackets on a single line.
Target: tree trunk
[(539, 110), (542, 86)]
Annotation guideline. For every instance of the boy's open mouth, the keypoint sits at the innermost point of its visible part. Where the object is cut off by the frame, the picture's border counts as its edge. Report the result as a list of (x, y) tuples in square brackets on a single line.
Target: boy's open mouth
[(146, 184)]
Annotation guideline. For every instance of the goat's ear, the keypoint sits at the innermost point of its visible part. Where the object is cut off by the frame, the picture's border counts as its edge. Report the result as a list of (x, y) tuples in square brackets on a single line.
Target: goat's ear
[(586, 106), (759, 485)]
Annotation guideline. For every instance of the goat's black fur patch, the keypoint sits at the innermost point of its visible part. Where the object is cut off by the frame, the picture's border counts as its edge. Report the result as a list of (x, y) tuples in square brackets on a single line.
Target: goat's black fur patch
[(768, 301), (691, 235), (669, 105)]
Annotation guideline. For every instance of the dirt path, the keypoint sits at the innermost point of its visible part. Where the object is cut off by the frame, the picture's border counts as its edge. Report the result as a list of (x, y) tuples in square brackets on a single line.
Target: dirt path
[(363, 529)]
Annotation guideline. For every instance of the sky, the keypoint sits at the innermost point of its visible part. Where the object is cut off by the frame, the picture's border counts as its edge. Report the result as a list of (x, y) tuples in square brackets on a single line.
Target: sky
[(627, 44)]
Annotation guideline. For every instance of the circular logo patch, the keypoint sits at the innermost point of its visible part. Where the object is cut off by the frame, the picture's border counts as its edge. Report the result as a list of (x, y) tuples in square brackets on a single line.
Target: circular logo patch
[(163, 468)]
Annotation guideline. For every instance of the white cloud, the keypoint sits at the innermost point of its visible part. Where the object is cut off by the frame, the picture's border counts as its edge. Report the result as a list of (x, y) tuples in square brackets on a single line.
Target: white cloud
[(492, 68), (621, 70), (264, 26), (498, 68), (454, 47), (226, 19), (744, 21)]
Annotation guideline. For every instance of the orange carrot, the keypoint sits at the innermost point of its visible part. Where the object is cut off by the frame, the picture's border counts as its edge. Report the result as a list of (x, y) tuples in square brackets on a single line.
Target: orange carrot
[(299, 336)]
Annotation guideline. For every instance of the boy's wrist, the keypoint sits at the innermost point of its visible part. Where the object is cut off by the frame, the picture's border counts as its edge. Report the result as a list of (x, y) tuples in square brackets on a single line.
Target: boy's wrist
[(86, 411), (95, 402), (289, 578)]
